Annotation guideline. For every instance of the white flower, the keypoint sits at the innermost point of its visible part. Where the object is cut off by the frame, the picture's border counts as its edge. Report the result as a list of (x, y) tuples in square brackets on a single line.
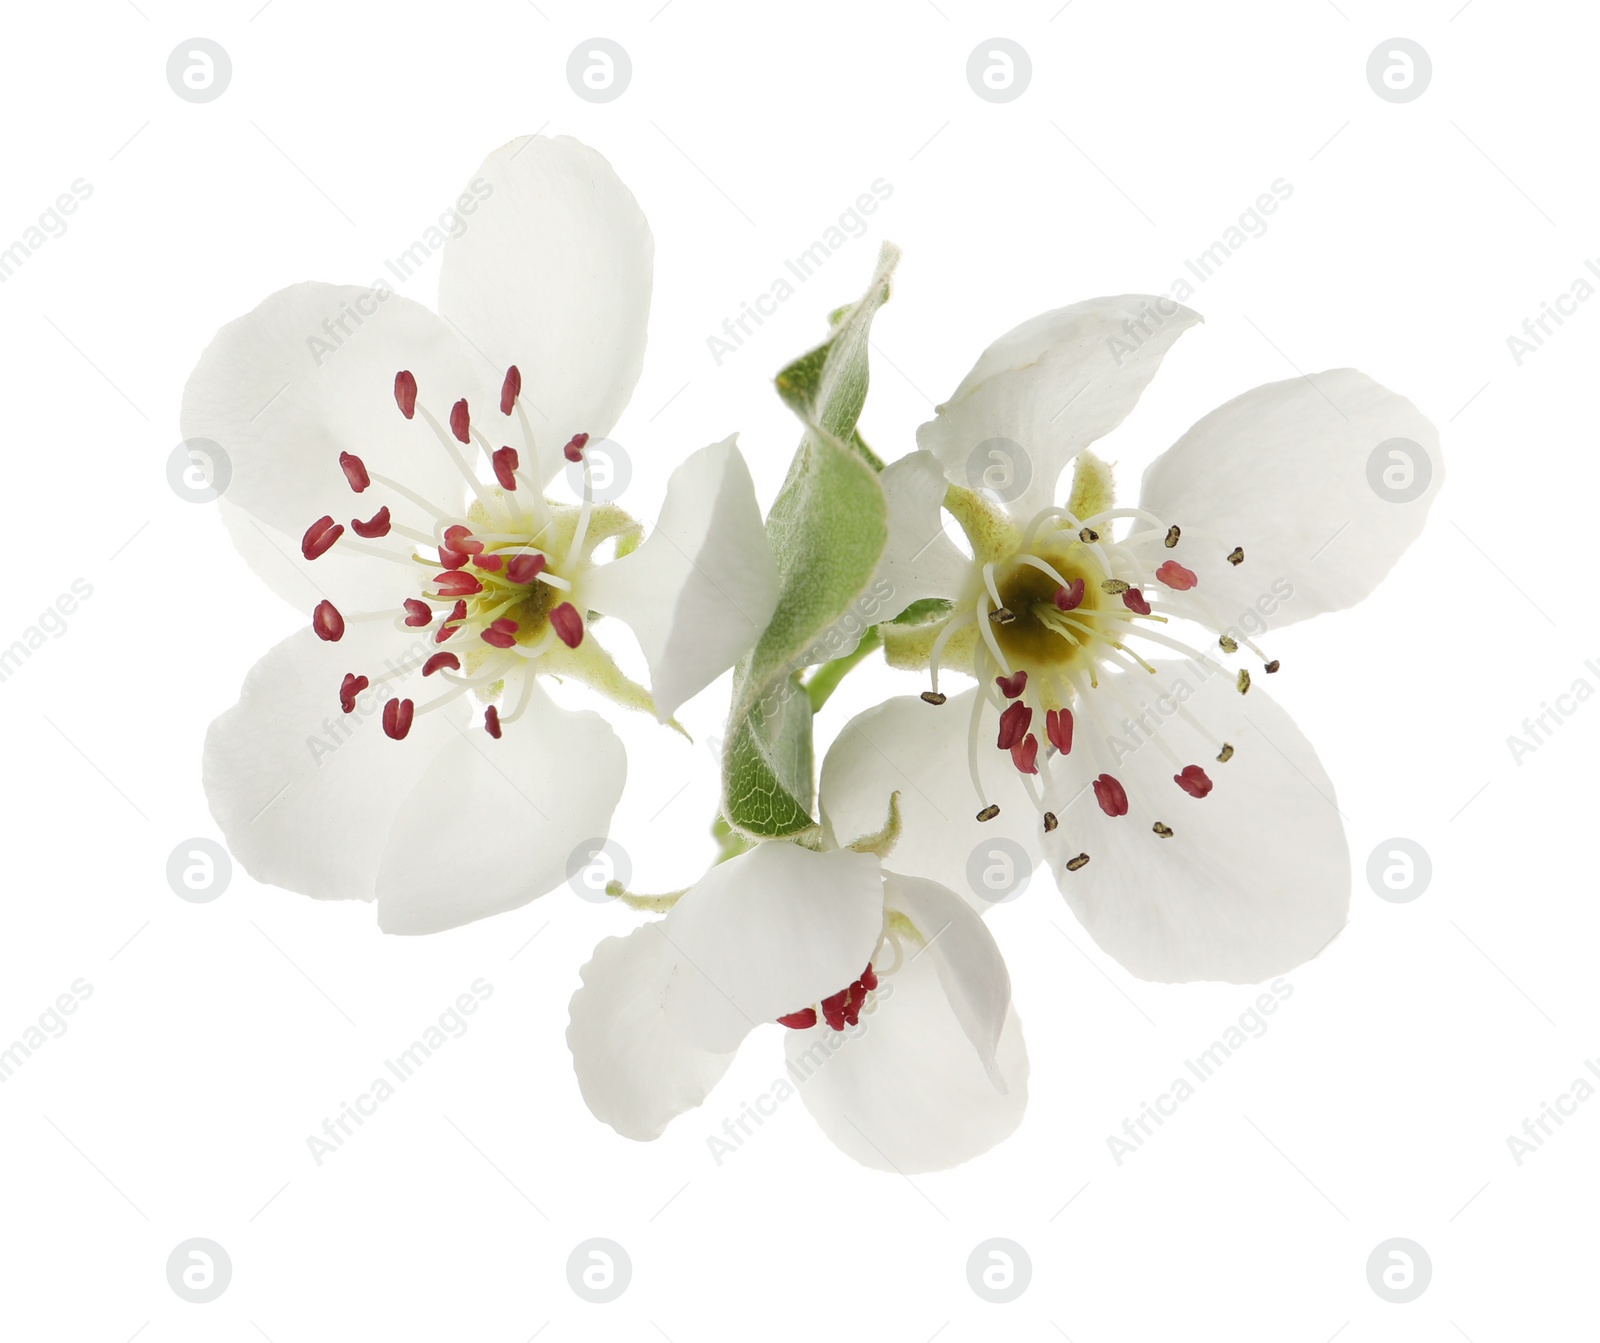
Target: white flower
[(1190, 826), (902, 1041), (388, 474)]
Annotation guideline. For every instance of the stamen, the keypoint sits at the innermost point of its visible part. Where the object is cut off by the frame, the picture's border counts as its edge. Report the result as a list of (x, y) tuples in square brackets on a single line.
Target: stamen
[(327, 622), (349, 688), (1088, 536), (1058, 728), (438, 660), (490, 563), (575, 446), (502, 633), (802, 1020), (510, 389), (568, 624), (1194, 781), (376, 526), (1111, 795), (1050, 822), (524, 568), (933, 697), (1172, 537), (1013, 685), (1081, 861), (1069, 598), (397, 715), (455, 583), (1176, 577), (457, 614), (461, 421), (1135, 601), (355, 471), (461, 538), (1243, 683), (1014, 725), (320, 535), (1225, 754), (989, 813), (505, 462), (1025, 754), (1236, 556), (1001, 616), (1114, 587), (405, 393), (1165, 831), (1227, 644), (491, 717), (1272, 666)]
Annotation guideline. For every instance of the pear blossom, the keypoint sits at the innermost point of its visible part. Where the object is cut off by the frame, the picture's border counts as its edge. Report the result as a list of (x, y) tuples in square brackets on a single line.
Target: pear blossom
[(389, 468), (899, 1032), (1118, 727)]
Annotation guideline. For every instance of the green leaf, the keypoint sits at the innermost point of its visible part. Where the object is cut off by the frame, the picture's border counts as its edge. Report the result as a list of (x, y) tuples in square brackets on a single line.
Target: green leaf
[(827, 529)]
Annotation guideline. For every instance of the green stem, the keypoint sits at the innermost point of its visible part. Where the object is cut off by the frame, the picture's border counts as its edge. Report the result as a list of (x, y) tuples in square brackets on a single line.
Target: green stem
[(825, 680)]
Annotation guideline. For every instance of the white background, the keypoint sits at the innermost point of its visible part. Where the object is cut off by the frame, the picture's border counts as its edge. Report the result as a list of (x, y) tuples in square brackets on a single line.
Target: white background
[(219, 1036)]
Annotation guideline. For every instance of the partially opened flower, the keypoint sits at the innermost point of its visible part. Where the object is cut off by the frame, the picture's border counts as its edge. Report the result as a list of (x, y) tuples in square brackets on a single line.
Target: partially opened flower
[(900, 1034), (388, 475), (1187, 821)]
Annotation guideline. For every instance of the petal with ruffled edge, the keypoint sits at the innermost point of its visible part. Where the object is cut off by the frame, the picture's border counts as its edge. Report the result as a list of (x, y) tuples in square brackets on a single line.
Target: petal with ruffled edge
[(702, 587), (936, 1072), (305, 794), (1285, 471), (1052, 386), (637, 1071), (770, 932), (920, 750), (309, 374), (1255, 878), (493, 823), (553, 274)]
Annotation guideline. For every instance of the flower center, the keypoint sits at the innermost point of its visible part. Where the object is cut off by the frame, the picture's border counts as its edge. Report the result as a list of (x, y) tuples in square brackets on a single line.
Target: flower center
[(496, 585), (1044, 622), (838, 1010)]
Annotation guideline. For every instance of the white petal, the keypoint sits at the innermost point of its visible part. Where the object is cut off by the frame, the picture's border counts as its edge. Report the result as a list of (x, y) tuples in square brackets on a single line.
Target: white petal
[(304, 793), (921, 750), (637, 1071), (493, 823), (969, 963), (702, 587), (1054, 385), (1283, 472), (905, 1090), (1255, 879), (283, 398), (770, 932), (919, 560), (553, 275)]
